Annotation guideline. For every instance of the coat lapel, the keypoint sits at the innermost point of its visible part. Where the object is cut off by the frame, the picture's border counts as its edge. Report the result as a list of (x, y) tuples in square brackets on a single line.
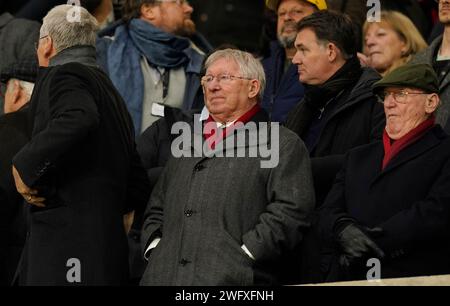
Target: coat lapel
[(428, 141)]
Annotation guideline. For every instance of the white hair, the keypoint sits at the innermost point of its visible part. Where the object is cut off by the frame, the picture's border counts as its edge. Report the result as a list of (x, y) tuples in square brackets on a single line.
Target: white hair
[(249, 66), (69, 26), (25, 86)]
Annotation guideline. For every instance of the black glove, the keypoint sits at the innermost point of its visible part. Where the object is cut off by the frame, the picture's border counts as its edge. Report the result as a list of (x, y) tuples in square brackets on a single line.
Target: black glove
[(356, 244)]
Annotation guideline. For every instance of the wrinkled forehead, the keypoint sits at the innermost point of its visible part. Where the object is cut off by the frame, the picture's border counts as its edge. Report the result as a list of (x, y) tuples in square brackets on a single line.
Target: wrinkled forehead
[(289, 4)]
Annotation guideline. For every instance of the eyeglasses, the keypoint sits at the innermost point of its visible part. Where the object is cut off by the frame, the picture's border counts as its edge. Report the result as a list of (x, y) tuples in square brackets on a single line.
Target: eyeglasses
[(221, 78), (179, 2), (36, 44), (399, 96)]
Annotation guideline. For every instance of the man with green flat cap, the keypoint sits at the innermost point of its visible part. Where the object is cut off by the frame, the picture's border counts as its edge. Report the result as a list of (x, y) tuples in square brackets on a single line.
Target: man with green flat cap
[(391, 200)]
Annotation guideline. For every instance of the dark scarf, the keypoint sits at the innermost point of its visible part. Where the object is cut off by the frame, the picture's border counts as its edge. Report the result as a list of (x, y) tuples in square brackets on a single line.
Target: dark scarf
[(131, 42), (317, 96)]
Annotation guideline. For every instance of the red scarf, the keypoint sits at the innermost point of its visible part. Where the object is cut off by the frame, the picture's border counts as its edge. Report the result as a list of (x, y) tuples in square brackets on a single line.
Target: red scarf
[(393, 147), (213, 135)]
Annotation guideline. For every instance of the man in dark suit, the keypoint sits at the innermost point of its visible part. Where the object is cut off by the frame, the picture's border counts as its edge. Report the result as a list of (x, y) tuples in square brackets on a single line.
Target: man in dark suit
[(391, 200), (17, 81), (80, 172)]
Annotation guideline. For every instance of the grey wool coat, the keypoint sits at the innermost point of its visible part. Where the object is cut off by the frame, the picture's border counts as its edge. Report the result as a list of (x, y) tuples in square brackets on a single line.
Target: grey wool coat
[(427, 57), (206, 208)]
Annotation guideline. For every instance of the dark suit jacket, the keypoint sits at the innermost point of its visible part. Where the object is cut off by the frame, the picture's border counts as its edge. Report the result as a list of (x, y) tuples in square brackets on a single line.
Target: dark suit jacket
[(14, 134), (82, 159), (409, 200)]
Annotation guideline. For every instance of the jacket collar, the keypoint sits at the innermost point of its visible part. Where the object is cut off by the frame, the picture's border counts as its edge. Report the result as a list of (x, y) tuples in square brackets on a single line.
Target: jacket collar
[(430, 140), (85, 55), (360, 92)]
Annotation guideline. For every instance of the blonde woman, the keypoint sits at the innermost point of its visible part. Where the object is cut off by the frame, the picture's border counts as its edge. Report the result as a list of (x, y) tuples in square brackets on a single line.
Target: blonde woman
[(390, 43)]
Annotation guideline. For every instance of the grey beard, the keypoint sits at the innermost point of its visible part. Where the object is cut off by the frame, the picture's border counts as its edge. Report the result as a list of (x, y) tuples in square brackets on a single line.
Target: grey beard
[(287, 42)]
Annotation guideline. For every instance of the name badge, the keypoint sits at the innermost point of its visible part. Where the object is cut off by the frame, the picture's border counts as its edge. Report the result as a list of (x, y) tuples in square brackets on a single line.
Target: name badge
[(157, 109)]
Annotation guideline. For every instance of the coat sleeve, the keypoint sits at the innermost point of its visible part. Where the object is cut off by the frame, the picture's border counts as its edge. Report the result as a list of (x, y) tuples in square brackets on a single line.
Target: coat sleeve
[(154, 213), (73, 115), (138, 187), (149, 146), (333, 209), (423, 221), (291, 200)]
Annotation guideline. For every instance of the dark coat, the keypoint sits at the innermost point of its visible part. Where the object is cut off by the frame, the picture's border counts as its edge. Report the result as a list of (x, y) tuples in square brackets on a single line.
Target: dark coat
[(409, 200), (17, 38), (206, 208), (357, 119), (14, 134), (193, 94), (283, 90), (82, 159)]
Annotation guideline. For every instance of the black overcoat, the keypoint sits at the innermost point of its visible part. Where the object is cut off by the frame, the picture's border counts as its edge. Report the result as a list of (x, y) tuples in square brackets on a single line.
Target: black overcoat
[(409, 200), (82, 159)]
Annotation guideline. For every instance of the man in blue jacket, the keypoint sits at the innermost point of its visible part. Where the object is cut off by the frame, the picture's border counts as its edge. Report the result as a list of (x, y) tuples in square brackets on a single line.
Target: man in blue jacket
[(283, 90), (150, 61)]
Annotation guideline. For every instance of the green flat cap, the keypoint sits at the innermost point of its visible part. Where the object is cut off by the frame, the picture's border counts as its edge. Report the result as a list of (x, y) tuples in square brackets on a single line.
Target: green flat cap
[(420, 76)]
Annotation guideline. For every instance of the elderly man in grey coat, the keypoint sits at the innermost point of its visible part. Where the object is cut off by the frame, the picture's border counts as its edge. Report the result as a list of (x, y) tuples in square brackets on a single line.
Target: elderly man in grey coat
[(221, 214)]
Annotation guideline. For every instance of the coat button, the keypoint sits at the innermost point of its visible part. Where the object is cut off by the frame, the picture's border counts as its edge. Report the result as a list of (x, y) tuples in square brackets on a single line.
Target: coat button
[(189, 213), (184, 262)]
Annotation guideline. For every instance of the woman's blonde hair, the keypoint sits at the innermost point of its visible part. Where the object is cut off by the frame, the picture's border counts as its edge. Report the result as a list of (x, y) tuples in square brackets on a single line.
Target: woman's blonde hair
[(406, 31)]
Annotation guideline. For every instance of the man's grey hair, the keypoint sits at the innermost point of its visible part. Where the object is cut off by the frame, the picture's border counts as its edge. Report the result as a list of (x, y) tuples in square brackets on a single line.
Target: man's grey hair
[(69, 26), (249, 66)]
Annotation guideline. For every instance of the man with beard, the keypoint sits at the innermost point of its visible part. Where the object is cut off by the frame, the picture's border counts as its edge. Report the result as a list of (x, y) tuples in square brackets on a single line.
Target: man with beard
[(283, 91), (438, 56), (150, 62)]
